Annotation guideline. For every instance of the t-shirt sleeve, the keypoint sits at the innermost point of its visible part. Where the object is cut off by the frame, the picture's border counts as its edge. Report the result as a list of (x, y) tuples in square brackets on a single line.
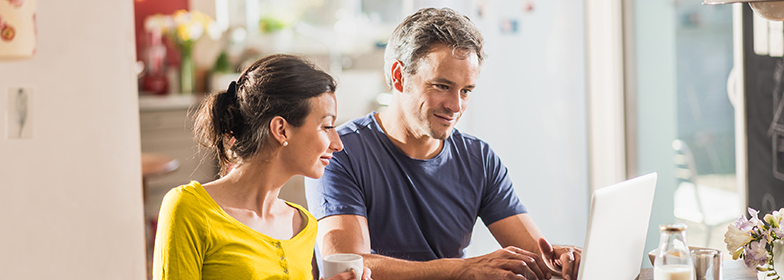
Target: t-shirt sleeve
[(178, 242), (499, 199), (337, 192)]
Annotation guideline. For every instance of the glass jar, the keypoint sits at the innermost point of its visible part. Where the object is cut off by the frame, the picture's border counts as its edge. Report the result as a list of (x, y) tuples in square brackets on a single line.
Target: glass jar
[(673, 261)]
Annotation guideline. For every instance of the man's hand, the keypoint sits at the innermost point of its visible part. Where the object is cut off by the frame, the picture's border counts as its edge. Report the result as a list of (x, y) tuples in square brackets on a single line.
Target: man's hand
[(507, 263), (561, 259)]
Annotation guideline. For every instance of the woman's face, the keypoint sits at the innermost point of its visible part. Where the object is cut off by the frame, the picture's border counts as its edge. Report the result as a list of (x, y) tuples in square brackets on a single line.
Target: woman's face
[(311, 145)]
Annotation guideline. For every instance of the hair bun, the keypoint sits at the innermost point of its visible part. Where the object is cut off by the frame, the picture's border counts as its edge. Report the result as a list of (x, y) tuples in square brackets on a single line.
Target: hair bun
[(232, 91)]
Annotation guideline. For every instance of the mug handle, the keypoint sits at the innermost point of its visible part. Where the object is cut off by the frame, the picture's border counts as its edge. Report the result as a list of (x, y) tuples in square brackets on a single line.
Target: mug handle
[(358, 270)]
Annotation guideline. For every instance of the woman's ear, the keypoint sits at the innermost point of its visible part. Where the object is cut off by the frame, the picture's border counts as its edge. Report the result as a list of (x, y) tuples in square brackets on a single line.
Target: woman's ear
[(397, 75), (279, 128)]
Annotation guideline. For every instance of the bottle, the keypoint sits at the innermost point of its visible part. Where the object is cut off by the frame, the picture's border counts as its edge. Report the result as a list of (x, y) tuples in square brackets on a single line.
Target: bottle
[(673, 262)]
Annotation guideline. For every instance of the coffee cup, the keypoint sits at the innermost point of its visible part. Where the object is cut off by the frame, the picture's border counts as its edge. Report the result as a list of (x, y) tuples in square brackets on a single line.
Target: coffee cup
[(339, 263)]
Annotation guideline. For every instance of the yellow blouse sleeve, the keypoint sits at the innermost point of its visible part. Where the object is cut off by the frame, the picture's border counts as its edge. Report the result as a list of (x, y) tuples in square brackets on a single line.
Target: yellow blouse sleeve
[(179, 240)]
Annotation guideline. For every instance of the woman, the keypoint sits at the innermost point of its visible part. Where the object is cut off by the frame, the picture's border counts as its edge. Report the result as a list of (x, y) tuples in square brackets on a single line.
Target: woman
[(275, 122)]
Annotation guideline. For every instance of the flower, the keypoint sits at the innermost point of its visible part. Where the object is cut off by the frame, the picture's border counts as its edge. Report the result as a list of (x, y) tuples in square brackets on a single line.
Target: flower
[(7, 31), (774, 219), (756, 254), (183, 27), (752, 239), (158, 23), (735, 239)]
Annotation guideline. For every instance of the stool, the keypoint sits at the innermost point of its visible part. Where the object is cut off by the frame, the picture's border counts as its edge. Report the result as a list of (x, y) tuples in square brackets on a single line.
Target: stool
[(153, 164)]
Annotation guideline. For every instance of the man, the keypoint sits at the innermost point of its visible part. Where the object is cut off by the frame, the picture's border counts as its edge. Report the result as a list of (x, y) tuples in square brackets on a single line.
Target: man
[(406, 190)]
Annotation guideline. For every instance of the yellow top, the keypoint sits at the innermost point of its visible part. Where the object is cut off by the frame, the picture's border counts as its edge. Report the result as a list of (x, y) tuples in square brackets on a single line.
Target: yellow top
[(196, 239)]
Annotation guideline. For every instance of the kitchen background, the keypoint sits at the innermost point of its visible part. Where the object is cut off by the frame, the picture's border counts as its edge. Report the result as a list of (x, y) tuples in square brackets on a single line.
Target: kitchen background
[(72, 188), (530, 103), (535, 71)]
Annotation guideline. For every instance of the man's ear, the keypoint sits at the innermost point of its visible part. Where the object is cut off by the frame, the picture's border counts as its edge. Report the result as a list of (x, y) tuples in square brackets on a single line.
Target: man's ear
[(397, 75), (278, 129)]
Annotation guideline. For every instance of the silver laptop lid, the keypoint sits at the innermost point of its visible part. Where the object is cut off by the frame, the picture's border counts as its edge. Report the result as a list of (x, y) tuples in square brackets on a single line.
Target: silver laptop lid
[(617, 227)]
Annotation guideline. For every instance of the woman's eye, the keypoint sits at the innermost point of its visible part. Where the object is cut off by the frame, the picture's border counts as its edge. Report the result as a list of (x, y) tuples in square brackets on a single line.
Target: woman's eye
[(328, 127)]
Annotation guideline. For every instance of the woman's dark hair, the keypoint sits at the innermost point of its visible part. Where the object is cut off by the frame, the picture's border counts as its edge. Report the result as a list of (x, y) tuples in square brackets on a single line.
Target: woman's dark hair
[(276, 85)]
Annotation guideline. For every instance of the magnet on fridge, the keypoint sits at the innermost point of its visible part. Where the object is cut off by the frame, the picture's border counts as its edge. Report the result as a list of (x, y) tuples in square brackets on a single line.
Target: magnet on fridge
[(508, 26)]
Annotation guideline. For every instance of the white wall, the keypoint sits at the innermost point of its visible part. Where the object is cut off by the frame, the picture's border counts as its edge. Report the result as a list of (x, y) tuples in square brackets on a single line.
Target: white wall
[(530, 105), (70, 202)]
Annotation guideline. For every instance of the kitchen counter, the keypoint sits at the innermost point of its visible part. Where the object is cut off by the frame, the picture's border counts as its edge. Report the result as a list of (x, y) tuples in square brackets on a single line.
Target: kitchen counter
[(149, 103)]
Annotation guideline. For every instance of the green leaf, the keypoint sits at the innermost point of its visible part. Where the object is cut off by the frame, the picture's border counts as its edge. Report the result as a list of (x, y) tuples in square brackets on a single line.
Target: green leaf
[(222, 64), (270, 24)]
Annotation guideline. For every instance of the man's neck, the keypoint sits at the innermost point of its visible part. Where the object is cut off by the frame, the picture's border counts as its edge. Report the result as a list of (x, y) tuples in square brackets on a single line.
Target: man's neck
[(402, 136)]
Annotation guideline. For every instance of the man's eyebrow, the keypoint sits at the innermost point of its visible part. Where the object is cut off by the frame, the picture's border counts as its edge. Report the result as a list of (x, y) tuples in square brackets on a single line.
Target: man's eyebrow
[(450, 83)]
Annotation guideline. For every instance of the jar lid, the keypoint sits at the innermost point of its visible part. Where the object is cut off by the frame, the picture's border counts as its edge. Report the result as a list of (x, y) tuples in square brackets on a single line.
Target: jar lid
[(672, 227)]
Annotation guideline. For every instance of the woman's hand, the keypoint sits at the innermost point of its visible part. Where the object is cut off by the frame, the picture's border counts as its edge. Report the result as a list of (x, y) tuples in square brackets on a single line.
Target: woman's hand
[(562, 259), (350, 275)]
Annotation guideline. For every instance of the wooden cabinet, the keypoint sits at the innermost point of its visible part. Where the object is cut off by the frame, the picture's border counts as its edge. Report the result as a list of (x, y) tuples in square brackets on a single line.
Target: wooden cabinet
[(166, 125)]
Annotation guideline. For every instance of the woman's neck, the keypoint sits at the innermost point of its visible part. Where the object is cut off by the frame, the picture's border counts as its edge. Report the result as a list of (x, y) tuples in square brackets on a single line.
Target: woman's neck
[(251, 185)]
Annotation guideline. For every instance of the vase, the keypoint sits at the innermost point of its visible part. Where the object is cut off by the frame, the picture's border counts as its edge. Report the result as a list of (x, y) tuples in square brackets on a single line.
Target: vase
[(187, 68), (777, 265)]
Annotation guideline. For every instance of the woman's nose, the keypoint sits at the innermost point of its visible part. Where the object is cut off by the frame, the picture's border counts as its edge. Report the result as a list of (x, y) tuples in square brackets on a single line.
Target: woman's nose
[(335, 143)]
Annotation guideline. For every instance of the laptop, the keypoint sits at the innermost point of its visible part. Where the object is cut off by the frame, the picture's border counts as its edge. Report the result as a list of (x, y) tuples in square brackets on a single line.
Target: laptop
[(617, 227)]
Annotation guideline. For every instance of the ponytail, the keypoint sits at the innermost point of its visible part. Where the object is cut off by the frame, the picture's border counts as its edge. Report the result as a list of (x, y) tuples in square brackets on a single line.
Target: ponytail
[(218, 121)]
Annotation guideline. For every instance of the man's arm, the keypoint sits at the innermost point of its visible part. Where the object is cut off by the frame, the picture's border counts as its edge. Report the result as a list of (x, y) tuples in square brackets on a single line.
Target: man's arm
[(521, 231), (349, 234)]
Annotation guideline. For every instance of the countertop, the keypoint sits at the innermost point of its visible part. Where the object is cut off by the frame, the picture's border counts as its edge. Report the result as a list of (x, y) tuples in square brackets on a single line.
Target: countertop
[(168, 102), (731, 270)]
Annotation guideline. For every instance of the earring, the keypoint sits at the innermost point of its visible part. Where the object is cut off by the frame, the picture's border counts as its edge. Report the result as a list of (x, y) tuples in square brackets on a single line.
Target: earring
[(285, 143)]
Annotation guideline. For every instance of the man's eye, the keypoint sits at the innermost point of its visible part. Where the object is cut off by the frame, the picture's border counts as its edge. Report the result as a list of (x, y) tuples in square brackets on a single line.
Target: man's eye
[(442, 87)]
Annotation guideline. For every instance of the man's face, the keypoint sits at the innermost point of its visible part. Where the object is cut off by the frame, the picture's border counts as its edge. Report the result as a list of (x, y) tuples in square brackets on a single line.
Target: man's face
[(436, 96)]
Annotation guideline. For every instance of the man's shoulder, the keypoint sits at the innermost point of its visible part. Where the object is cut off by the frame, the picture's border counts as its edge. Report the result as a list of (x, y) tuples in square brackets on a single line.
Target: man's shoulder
[(468, 141), (360, 131), (356, 125)]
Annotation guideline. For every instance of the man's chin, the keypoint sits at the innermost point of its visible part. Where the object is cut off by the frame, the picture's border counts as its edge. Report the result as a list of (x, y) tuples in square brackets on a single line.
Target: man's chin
[(441, 135)]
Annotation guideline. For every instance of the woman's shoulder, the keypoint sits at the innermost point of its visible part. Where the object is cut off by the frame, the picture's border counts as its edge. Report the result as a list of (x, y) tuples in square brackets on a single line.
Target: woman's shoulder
[(302, 209), (188, 195), (310, 225), (311, 219)]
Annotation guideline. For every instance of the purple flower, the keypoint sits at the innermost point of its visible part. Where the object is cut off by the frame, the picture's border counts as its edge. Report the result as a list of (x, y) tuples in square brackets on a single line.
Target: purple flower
[(748, 224), (754, 214), (756, 254)]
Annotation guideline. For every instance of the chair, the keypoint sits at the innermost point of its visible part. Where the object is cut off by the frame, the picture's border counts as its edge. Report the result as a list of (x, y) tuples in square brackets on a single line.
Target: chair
[(153, 165), (697, 203)]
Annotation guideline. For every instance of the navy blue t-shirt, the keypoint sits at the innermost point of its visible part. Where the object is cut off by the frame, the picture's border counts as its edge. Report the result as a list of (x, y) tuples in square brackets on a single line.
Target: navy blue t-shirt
[(416, 209)]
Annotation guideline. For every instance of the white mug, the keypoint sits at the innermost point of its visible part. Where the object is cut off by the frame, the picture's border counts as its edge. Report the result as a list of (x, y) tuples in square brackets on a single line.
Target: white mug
[(339, 263)]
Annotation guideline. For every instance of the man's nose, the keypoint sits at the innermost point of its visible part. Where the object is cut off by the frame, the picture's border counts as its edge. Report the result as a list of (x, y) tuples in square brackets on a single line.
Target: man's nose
[(454, 101)]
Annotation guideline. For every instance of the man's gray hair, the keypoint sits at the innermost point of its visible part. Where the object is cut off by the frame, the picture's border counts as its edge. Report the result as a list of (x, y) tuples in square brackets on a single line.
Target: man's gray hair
[(416, 36)]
